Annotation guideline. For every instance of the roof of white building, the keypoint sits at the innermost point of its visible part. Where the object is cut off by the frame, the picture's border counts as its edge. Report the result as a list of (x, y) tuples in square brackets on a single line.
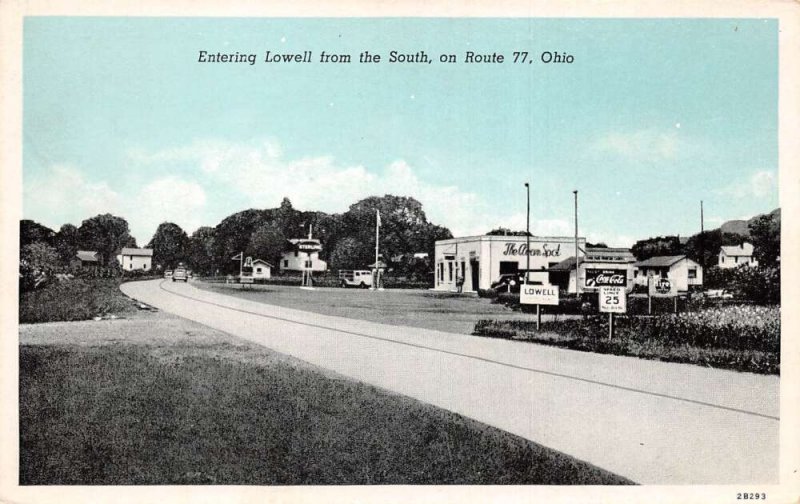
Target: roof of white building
[(136, 251), (87, 256), (745, 249), (660, 261)]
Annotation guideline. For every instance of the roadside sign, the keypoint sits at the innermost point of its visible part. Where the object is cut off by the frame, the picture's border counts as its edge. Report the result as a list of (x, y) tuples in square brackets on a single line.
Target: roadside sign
[(612, 299), (248, 263), (601, 277), (246, 279), (663, 287), (538, 294)]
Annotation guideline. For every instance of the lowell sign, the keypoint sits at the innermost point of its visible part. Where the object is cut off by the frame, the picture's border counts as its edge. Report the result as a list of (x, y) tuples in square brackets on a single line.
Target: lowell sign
[(538, 294)]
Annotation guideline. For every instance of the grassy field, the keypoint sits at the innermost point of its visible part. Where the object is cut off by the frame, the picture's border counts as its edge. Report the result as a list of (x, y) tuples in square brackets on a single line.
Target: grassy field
[(74, 299), (159, 400), (441, 311)]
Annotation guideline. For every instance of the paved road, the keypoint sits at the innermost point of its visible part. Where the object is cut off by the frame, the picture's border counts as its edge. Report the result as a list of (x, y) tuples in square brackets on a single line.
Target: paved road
[(653, 422)]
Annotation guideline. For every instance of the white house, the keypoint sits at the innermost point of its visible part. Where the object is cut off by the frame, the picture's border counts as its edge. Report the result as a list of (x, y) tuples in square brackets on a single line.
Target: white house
[(303, 255), (131, 259), (261, 269), (733, 256), (680, 269)]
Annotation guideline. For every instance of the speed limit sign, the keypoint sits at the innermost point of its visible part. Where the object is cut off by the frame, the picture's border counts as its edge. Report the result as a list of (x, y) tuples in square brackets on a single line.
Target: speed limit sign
[(612, 299)]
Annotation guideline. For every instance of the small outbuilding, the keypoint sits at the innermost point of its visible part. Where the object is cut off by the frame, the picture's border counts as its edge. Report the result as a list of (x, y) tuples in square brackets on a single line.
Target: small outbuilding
[(86, 259), (261, 269)]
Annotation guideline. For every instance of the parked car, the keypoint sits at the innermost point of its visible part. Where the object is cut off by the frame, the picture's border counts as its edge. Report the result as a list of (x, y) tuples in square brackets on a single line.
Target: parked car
[(719, 293), (168, 274), (509, 282), (355, 278)]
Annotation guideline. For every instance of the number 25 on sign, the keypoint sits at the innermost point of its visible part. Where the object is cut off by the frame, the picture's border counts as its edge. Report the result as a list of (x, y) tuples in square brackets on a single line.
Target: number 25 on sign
[(612, 299)]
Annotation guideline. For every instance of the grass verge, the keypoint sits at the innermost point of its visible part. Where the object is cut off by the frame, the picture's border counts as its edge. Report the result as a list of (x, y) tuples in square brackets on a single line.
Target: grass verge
[(217, 412), (743, 338), (73, 299)]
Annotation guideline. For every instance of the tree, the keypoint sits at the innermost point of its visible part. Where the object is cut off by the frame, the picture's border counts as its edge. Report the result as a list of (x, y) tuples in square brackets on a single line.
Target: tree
[(200, 250), (66, 243), (349, 253), (38, 262), (765, 232), (268, 243), (32, 232), (105, 234), (169, 245), (659, 246)]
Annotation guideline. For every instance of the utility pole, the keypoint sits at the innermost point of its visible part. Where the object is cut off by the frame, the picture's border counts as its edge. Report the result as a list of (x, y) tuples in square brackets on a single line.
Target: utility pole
[(702, 245), (577, 258), (528, 234)]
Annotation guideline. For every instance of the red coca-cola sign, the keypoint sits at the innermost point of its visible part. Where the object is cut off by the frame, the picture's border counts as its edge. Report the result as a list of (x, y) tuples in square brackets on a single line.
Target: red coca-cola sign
[(610, 278)]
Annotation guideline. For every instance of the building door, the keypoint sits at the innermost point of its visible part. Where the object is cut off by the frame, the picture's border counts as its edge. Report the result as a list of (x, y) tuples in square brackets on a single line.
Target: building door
[(474, 266)]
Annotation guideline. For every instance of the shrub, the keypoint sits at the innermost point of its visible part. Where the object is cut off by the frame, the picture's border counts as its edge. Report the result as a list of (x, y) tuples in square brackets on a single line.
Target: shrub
[(73, 299)]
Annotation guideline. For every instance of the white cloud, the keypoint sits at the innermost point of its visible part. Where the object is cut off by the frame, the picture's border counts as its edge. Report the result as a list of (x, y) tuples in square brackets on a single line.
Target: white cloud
[(263, 176), (641, 145), (759, 185), (166, 199), (64, 195)]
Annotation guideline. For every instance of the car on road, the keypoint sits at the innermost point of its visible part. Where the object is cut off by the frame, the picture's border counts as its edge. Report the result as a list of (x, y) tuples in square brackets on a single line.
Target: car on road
[(179, 274), (168, 274)]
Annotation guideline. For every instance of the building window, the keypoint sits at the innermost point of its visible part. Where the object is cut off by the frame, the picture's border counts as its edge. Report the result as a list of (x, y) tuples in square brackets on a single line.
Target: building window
[(295, 253), (736, 260), (692, 273), (130, 266), (286, 263), (722, 259), (258, 270)]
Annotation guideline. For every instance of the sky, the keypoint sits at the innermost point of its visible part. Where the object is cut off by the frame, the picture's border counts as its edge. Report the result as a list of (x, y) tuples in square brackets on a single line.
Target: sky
[(651, 117)]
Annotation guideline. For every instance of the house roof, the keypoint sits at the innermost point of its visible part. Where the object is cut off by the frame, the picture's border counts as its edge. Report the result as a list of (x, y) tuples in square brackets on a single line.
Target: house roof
[(136, 251), (262, 261), (609, 254), (745, 249), (87, 256), (660, 261), (567, 264)]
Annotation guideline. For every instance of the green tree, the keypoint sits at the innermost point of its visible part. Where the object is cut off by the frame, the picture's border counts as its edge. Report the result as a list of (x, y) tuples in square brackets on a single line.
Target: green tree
[(349, 253), (105, 234), (659, 246), (32, 232), (201, 250), (66, 243), (38, 262), (765, 232), (268, 243), (169, 245)]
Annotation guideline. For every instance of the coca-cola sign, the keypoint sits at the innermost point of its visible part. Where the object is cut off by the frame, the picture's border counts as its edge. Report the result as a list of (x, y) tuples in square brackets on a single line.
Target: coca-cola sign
[(611, 278)]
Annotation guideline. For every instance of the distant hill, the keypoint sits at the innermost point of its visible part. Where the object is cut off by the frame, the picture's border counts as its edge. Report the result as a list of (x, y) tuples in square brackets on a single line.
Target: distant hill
[(742, 227)]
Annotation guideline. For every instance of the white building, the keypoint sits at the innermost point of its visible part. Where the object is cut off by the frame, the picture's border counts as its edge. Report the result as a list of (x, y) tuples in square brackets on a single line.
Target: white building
[(480, 260), (131, 259), (261, 269), (303, 255), (680, 269), (733, 256)]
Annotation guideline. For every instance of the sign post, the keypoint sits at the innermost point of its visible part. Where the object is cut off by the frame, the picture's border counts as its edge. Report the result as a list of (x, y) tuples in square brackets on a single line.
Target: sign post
[(545, 294), (612, 299)]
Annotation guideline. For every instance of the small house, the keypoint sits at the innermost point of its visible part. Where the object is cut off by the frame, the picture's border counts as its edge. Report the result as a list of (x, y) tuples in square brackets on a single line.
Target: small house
[(734, 256), (132, 259), (679, 268), (86, 259)]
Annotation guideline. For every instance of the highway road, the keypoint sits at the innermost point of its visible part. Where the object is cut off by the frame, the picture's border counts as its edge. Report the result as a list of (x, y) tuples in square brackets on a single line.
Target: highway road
[(652, 422)]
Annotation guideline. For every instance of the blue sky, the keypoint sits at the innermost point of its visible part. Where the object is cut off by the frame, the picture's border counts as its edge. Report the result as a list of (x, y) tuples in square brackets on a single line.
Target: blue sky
[(651, 117)]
